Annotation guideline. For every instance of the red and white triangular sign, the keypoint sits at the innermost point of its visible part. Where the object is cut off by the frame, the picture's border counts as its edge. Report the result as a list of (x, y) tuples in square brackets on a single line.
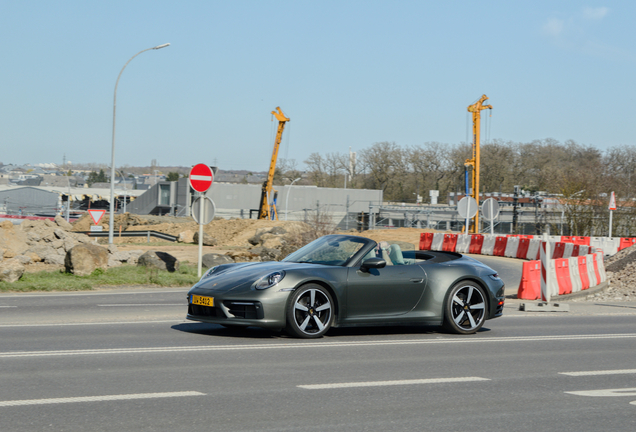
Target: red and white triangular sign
[(612, 204), (96, 215)]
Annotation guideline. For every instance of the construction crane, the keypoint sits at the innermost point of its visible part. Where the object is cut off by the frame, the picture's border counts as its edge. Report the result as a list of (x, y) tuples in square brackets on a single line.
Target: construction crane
[(265, 211), (476, 109)]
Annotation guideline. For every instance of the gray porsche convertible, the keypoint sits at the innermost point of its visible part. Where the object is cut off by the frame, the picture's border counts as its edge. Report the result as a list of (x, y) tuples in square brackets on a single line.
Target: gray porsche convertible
[(343, 280)]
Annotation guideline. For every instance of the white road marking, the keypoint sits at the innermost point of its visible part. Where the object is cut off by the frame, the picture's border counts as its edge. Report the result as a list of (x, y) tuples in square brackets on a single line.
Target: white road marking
[(391, 383), (143, 304), (99, 398), (8, 306), (308, 345), (601, 372), (92, 323), (605, 392)]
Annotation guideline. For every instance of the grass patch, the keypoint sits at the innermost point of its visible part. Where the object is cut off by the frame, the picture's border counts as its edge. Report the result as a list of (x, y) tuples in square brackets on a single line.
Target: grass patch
[(114, 276)]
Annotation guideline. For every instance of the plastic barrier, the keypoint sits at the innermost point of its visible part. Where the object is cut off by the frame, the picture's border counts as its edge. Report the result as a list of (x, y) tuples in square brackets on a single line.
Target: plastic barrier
[(426, 239), (553, 282), (563, 275), (585, 281), (463, 244), (601, 266), (577, 262), (530, 285), (438, 242), (575, 279), (511, 247), (500, 246), (476, 243), (449, 243), (522, 249), (591, 274), (626, 242), (533, 249), (610, 245), (557, 250), (488, 246), (582, 241), (597, 273)]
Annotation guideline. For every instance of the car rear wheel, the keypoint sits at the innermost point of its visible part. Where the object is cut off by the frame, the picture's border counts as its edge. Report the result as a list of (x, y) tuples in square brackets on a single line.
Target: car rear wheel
[(309, 312), (465, 308)]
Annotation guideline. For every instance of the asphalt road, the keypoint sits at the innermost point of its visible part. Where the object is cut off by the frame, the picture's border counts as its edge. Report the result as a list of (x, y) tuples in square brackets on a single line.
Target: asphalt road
[(127, 361)]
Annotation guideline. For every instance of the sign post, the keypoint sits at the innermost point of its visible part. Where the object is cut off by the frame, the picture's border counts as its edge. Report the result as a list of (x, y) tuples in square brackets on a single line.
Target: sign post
[(490, 210), (467, 208), (612, 207), (201, 178)]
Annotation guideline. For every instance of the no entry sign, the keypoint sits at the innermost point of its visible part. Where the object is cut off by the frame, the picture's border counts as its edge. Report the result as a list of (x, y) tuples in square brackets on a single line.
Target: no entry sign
[(201, 177)]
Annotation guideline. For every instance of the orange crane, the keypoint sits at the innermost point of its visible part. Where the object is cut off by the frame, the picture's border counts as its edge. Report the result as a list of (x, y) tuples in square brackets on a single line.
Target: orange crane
[(476, 109), (265, 211)]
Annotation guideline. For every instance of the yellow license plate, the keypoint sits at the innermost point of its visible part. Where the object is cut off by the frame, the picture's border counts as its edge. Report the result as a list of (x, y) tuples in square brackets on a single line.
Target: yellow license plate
[(203, 301)]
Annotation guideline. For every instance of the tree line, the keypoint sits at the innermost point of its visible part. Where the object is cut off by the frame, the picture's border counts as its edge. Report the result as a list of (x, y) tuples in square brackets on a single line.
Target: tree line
[(581, 176)]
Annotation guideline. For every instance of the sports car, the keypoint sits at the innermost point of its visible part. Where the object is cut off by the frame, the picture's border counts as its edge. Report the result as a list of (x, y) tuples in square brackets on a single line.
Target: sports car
[(345, 280)]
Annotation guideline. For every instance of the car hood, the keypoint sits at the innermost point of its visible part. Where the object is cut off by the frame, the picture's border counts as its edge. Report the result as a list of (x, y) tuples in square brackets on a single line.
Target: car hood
[(240, 276)]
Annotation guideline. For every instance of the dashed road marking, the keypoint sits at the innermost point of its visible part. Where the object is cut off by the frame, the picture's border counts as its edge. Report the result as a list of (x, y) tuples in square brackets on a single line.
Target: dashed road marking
[(391, 383), (600, 372), (99, 398)]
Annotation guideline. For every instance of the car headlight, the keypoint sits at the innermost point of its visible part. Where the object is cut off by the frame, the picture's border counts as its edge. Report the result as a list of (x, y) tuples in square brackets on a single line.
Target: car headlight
[(209, 273), (270, 280)]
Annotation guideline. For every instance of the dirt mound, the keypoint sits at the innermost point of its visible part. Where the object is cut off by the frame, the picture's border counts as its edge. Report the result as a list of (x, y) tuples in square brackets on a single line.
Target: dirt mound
[(621, 273), (408, 235)]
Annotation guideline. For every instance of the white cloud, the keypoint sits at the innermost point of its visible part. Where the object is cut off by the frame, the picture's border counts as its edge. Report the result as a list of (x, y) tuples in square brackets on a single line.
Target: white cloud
[(554, 27), (579, 32), (595, 13)]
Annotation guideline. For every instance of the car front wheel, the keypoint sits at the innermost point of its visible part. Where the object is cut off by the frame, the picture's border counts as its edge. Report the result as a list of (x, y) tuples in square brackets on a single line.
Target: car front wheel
[(465, 308), (310, 312)]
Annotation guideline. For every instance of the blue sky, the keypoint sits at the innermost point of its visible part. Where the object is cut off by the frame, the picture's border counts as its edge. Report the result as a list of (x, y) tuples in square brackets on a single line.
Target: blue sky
[(347, 73)]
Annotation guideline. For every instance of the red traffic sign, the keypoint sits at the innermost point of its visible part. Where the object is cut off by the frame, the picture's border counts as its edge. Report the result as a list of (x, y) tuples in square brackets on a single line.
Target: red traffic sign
[(96, 215), (201, 177)]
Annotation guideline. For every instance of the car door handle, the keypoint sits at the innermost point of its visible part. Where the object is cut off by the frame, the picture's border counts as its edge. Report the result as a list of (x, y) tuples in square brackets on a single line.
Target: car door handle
[(417, 280)]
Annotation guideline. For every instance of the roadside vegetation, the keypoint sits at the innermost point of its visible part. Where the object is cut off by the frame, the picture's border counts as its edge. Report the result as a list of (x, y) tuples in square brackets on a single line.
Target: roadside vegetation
[(125, 275), (580, 177)]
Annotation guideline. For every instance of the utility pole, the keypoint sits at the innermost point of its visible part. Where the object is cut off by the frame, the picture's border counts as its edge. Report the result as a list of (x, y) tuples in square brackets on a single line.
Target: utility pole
[(476, 109)]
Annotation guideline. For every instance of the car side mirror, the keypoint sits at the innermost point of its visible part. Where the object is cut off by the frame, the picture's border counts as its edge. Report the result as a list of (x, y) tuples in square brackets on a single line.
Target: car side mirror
[(372, 263)]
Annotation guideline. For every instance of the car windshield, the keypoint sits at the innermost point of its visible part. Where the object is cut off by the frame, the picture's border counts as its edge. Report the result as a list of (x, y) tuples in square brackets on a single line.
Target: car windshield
[(329, 250)]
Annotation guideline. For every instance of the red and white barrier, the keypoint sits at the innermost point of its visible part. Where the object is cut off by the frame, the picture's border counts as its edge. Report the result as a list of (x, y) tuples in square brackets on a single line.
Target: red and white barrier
[(438, 242), (575, 278), (463, 244), (488, 247), (575, 264), (512, 246)]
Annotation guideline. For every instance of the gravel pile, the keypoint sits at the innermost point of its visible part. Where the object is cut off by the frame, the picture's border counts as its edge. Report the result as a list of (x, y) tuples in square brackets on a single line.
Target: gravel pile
[(621, 273)]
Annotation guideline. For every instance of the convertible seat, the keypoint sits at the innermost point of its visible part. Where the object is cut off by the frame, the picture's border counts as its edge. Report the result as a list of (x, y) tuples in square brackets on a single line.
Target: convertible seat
[(384, 252), (395, 253)]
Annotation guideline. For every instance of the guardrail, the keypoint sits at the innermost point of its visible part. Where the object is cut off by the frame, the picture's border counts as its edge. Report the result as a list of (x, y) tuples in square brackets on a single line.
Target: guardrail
[(147, 234)]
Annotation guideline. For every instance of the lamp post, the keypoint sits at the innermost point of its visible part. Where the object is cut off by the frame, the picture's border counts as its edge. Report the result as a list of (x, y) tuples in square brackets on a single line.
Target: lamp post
[(123, 179), (287, 197), (111, 219)]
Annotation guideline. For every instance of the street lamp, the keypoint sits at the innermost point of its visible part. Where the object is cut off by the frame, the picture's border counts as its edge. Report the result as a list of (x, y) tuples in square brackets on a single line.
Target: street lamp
[(287, 197), (111, 221), (123, 179)]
